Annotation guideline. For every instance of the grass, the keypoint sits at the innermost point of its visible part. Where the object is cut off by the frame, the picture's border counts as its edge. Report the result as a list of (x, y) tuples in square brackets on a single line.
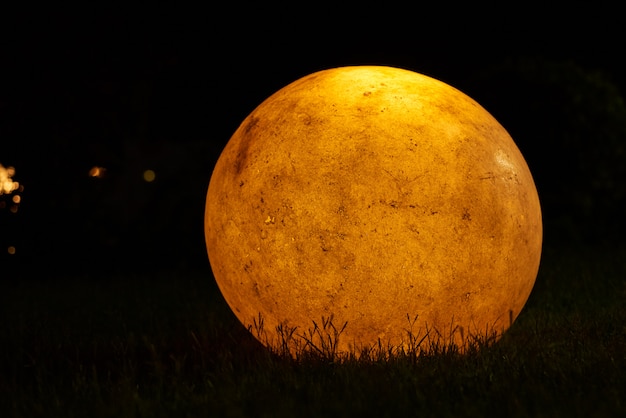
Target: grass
[(167, 345)]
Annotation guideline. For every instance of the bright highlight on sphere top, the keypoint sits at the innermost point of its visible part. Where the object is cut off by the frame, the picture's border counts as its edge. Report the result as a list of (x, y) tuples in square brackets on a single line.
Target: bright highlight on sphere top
[(384, 199)]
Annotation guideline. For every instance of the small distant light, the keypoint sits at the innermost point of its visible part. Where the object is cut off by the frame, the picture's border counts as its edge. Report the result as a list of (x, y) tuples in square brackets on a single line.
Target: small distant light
[(14, 208), (7, 185), (11, 250), (16, 199), (149, 176), (97, 171)]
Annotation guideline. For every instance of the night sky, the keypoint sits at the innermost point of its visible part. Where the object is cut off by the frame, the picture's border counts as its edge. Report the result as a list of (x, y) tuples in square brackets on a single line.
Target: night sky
[(163, 90)]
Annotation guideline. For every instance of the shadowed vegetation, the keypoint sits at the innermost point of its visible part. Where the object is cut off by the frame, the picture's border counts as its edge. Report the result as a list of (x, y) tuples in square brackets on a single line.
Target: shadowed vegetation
[(167, 345)]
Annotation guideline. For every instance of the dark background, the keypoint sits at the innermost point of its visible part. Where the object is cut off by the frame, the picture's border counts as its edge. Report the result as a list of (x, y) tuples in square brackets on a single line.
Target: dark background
[(163, 88)]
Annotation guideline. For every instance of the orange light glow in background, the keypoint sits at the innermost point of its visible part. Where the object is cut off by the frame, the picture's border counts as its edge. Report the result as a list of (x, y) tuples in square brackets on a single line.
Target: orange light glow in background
[(149, 176), (97, 171), (7, 185), (10, 187)]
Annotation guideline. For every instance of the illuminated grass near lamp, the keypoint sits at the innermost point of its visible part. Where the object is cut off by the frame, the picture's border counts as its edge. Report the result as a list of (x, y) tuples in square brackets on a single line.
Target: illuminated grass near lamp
[(371, 195)]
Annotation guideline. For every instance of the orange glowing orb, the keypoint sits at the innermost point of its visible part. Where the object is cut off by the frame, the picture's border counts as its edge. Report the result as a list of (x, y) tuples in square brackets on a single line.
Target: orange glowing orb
[(378, 199)]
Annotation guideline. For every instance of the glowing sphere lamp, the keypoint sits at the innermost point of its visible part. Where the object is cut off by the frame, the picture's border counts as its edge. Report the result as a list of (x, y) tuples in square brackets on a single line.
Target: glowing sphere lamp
[(378, 197)]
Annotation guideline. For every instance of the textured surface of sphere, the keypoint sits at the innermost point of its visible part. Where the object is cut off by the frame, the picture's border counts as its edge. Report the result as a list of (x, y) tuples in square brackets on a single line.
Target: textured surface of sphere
[(373, 195)]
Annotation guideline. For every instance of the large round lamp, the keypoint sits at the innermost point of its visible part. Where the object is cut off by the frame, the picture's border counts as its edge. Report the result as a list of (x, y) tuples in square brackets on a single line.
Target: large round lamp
[(368, 204)]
